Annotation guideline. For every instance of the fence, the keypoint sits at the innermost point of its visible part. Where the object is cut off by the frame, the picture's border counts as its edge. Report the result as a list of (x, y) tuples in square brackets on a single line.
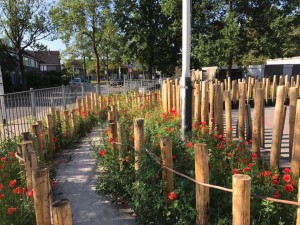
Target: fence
[(211, 97), (241, 184), (19, 110)]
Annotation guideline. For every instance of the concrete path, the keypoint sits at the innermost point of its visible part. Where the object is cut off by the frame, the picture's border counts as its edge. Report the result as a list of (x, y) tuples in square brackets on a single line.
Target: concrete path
[(76, 181)]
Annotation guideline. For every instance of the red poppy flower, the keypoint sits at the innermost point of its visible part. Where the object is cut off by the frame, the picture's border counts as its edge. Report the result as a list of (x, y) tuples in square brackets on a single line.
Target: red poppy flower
[(246, 169), (275, 176), (53, 140), (189, 144), (276, 194), (251, 164), (235, 171), (3, 158), (1, 186), (267, 173), (171, 129), (286, 178), (102, 152), (53, 183), (286, 170), (2, 196), (250, 141), (229, 154), (289, 188), (127, 159), (203, 123), (18, 191), (172, 196), (275, 182), (12, 183), (12, 154), (254, 156), (29, 193), (292, 182), (11, 210)]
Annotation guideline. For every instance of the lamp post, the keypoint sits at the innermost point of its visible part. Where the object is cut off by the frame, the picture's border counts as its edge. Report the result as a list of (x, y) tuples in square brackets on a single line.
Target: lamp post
[(185, 82)]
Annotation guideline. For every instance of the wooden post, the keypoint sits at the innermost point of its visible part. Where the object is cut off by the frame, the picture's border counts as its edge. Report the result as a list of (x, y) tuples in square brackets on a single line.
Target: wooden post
[(262, 127), (248, 120), (178, 98), (219, 110), (274, 89), (52, 112), (73, 120), (40, 148), (78, 106), (241, 190), (30, 162), (167, 160), (257, 121), (228, 114), (297, 81), (169, 94), (66, 120), (84, 106), (138, 139), (204, 103), (174, 97), (278, 123), (50, 127), (92, 102), (293, 106), (197, 103), (164, 97), (211, 108), (42, 202), (267, 90), (202, 192), (62, 213), (58, 119), (241, 120), (295, 164)]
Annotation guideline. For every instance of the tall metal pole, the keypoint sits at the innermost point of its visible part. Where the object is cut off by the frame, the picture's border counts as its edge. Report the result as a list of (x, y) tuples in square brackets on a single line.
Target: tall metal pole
[(185, 82)]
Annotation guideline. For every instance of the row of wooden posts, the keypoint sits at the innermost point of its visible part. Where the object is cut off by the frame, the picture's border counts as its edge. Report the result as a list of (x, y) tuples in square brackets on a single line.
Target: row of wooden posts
[(241, 184), (34, 145), (203, 90), (209, 99)]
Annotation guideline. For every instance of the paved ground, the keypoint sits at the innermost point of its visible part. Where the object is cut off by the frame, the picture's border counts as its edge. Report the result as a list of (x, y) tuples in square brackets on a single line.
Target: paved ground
[(76, 181), (269, 121)]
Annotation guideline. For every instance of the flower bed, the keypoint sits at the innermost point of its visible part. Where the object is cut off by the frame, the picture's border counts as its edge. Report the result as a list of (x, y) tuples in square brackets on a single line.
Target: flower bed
[(16, 200), (143, 189)]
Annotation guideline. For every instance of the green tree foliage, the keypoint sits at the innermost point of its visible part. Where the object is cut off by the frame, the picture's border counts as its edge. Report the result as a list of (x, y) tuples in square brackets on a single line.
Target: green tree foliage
[(81, 18), (151, 38), (24, 23)]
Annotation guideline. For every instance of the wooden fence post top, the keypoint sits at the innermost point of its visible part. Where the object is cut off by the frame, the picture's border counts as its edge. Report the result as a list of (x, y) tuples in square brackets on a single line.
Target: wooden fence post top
[(40, 172), (60, 203), (139, 121), (199, 145), (241, 177), (165, 140)]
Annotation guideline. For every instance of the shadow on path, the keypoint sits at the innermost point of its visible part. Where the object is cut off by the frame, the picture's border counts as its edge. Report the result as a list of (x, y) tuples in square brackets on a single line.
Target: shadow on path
[(76, 181)]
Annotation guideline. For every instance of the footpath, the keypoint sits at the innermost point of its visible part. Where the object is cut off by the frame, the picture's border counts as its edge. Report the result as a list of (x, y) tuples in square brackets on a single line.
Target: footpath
[(76, 180)]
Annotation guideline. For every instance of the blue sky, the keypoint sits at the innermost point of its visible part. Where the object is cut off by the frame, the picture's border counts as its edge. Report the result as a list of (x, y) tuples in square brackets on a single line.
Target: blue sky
[(56, 45)]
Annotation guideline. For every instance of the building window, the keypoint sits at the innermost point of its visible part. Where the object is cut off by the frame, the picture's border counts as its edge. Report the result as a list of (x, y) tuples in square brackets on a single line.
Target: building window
[(43, 68)]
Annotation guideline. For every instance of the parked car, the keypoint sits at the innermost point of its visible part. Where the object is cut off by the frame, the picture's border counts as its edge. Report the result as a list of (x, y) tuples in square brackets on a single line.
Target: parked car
[(78, 81), (116, 82)]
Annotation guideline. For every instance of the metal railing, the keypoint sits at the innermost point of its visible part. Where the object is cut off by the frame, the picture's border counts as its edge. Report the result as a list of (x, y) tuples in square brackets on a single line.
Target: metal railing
[(20, 110)]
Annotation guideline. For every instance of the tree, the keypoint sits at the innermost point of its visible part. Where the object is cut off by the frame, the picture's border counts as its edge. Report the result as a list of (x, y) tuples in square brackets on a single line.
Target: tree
[(81, 18), (24, 23), (148, 32)]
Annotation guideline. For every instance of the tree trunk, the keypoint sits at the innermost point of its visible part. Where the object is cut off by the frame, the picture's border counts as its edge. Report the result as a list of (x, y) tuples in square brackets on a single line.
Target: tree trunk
[(97, 64), (22, 70), (229, 66), (150, 58), (84, 65)]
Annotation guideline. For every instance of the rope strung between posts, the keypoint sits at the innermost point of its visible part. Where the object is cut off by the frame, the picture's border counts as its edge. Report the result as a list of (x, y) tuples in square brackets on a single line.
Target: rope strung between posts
[(158, 161)]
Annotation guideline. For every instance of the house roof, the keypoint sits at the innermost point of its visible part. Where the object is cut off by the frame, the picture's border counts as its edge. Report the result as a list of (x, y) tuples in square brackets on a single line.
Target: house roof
[(46, 57)]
